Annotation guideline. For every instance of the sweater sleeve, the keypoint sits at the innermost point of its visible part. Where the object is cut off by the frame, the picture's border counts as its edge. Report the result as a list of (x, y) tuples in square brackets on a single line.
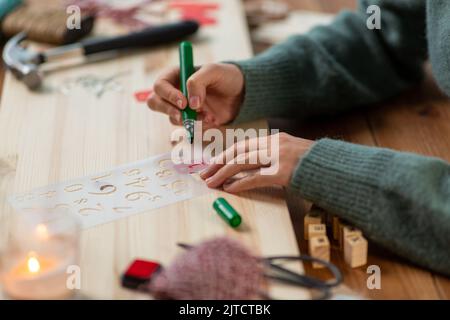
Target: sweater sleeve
[(399, 200), (438, 15), (339, 66)]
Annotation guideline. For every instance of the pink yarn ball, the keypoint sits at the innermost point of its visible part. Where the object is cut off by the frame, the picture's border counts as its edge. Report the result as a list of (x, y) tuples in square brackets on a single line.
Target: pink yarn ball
[(217, 269)]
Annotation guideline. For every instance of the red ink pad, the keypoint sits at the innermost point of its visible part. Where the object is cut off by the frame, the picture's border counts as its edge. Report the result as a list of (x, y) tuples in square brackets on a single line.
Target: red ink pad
[(139, 273)]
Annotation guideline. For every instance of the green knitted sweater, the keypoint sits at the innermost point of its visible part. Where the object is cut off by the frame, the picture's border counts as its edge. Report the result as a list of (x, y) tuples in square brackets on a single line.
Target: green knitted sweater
[(399, 200)]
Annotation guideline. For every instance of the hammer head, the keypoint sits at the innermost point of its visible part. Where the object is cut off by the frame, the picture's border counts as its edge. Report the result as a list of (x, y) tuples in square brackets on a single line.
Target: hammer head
[(23, 63)]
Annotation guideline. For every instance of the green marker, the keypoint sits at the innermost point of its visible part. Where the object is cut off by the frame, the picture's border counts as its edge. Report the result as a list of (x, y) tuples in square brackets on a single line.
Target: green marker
[(227, 212), (186, 70)]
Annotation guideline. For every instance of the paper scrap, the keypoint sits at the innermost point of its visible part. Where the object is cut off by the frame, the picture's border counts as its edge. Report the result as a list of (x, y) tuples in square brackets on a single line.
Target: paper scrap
[(142, 96), (199, 11), (190, 168)]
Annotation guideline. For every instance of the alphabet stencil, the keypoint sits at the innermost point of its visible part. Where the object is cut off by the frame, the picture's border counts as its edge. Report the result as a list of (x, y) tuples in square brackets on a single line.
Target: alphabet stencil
[(106, 196)]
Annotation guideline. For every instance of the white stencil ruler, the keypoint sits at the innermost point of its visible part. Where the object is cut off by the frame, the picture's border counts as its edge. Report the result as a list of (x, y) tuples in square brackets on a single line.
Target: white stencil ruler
[(114, 194)]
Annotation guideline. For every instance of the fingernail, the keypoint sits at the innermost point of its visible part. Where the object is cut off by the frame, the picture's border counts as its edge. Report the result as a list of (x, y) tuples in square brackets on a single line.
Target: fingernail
[(180, 103), (194, 101)]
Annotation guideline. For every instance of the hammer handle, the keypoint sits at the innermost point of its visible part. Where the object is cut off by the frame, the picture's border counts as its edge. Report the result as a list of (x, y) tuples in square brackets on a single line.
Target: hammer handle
[(146, 38)]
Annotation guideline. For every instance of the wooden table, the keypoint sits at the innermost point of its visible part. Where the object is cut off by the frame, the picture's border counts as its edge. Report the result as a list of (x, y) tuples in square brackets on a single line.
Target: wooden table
[(422, 114), (417, 121), (49, 137)]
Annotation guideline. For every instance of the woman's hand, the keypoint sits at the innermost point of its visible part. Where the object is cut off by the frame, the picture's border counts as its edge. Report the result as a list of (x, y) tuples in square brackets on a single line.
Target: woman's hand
[(215, 91), (283, 150)]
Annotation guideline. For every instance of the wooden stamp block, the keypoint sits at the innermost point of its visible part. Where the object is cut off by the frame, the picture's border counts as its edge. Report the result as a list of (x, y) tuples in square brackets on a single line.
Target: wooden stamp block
[(347, 231), (355, 251), (315, 230), (313, 217), (319, 247)]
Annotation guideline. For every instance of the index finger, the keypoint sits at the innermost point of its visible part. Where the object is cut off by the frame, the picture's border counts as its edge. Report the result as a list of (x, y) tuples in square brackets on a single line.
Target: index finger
[(165, 87)]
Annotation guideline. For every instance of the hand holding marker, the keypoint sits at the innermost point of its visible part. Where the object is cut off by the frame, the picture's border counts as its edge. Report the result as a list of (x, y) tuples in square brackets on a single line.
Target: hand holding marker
[(223, 208), (186, 70)]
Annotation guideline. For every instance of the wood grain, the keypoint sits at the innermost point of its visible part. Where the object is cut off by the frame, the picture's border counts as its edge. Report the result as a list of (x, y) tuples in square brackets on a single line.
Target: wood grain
[(56, 137), (416, 121), (400, 279)]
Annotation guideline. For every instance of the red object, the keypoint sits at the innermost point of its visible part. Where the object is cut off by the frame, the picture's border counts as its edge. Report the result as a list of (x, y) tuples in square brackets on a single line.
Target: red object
[(142, 96), (139, 272), (196, 11), (190, 168), (142, 269), (217, 269)]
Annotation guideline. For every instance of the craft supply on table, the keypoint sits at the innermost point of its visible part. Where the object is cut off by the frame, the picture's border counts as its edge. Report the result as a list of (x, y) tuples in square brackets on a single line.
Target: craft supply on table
[(26, 64), (311, 217), (350, 241), (43, 246), (346, 231), (118, 193), (127, 15), (217, 269), (139, 274), (46, 24), (319, 247), (190, 168), (315, 230), (223, 269), (227, 212), (355, 251), (186, 70), (93, 84), (143, 95), (202, 12)]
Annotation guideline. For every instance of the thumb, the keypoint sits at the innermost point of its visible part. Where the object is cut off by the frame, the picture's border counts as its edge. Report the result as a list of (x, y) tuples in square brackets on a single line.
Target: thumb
[(197, 84)]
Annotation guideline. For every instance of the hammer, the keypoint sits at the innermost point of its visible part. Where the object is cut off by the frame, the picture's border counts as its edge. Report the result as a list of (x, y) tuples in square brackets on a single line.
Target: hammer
[(25, 64)]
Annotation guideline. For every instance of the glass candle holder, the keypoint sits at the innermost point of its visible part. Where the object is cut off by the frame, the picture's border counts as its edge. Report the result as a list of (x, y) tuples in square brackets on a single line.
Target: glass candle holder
[(43, 244)]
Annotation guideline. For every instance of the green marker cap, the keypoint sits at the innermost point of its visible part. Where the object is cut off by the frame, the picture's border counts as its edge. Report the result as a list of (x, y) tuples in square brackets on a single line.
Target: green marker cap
[(227, 212)]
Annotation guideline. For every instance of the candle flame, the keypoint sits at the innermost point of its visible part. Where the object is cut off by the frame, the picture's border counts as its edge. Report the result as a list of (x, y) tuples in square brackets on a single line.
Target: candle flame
[(33, 263)]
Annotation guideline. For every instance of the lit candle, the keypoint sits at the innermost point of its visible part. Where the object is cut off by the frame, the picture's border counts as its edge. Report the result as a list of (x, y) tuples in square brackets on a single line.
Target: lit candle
[(37, 277), (44, 246)]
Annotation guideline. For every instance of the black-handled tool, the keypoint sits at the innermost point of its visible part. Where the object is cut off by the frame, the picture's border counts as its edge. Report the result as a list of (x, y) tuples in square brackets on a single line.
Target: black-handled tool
[(146, 38), (25, 63)]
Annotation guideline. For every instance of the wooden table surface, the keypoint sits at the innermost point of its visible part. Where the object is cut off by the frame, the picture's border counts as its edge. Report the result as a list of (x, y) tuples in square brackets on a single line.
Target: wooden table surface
[(52, 136), (417, 121)]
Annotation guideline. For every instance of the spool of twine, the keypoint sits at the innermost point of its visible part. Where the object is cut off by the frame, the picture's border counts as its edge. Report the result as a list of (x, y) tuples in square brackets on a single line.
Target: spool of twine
[(45, 24)]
